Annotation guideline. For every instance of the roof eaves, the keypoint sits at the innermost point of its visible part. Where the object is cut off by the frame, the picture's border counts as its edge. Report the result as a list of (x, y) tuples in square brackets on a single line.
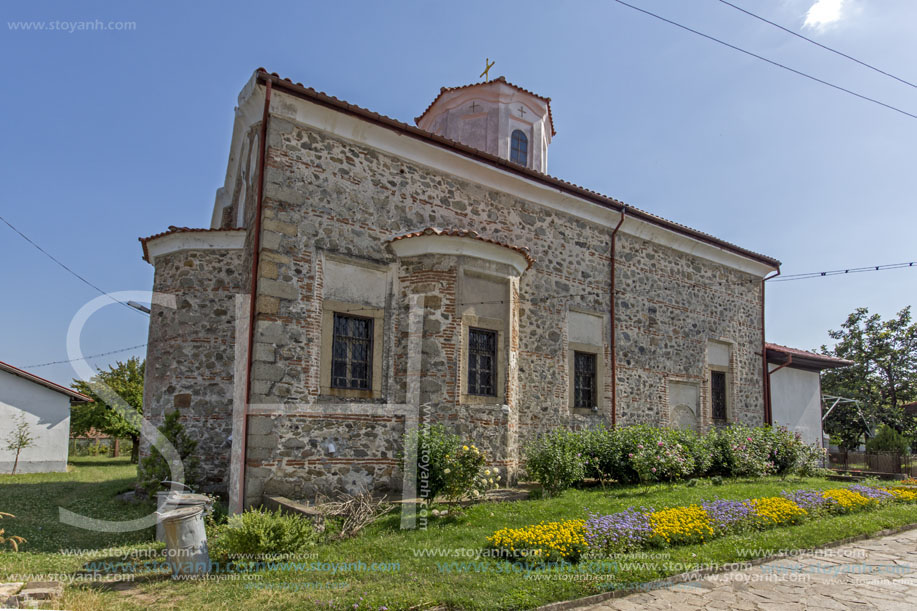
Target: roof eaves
[(75, 396), (322, 98), (172, 230)]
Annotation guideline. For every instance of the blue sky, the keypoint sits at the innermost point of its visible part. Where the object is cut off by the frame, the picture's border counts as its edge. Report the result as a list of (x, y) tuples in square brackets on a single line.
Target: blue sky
[(113, 135)]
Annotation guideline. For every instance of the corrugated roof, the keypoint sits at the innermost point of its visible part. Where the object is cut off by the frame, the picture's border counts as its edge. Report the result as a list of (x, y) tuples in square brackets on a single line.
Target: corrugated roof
[(75, 397), (318, 97), (805, 356), (499, 79), (464, 233)]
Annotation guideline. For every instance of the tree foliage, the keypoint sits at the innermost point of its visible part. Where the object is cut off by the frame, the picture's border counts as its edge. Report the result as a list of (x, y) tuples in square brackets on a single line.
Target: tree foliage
[(883, 376), (19, 439), (124, 380)]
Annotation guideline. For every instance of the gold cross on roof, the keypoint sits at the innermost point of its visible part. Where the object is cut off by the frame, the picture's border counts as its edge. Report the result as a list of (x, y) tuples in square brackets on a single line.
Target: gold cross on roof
[(488, 65)]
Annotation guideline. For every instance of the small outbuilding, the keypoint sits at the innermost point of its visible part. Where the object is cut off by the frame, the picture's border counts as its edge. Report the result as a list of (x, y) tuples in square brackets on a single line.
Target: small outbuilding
[(795, 389), (45, 409)]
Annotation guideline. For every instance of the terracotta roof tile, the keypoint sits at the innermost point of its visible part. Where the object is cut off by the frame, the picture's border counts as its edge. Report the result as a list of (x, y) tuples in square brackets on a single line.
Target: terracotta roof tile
[(463, 233), (603, 200), (173, 229), (499, 79)]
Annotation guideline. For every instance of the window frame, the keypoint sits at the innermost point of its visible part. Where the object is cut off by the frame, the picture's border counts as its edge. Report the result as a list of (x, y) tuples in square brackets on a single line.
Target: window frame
[(498, 326), (600, 396), (715, 372), (593, 400), (349, 340), (326, 355), (524, 149), (492, 353)]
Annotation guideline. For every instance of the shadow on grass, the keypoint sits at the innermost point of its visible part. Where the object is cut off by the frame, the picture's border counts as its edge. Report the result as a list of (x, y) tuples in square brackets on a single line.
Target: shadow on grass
[(35, 505)]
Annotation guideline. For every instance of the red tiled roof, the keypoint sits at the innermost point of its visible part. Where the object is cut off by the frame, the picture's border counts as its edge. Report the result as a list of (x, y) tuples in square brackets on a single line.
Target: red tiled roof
[(174, 229), (464, 233), (75, 397), (803, 356), (499, 79), (318, 97)]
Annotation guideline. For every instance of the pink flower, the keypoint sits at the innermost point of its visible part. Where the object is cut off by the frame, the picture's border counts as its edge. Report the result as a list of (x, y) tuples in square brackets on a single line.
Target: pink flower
[(660, 444), (653, 469), (630, 455), (640, 446), (749, 438)]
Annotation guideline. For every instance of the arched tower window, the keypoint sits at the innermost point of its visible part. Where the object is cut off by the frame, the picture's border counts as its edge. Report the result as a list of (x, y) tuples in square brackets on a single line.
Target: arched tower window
[(519, 148)]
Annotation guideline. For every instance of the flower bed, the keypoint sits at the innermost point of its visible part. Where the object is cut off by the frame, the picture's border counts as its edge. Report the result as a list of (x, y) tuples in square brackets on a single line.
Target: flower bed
[(637, 528)]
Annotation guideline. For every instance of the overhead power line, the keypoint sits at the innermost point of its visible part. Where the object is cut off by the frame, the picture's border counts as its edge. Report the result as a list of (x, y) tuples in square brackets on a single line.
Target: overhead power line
[(841, 272), (63, 265), (818, 44), (91, 356), (764, 59)]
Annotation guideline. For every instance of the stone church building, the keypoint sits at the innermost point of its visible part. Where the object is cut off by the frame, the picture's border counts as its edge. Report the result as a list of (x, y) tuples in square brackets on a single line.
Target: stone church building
[(361, 276)]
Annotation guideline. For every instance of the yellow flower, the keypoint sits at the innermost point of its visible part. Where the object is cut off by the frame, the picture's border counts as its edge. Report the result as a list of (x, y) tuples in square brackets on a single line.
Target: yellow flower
[(465, 448)]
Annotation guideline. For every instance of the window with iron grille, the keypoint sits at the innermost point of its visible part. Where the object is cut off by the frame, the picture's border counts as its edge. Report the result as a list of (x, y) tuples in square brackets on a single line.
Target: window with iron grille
[(482, 362), (718, 395), (584, 380), (519, 148), (352, 352)]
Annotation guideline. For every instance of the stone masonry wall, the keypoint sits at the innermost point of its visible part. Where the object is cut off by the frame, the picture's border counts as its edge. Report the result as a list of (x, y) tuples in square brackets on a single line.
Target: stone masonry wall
[(325, 195), (189, 363)]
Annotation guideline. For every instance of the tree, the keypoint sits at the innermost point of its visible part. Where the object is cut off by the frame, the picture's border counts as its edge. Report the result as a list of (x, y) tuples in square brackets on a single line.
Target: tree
[(155, 468), (883, 376), (19, 439), (124, 380)]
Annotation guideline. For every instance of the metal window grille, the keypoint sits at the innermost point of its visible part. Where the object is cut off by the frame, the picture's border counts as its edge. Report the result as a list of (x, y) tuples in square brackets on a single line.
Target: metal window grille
[(584, 381), (482, 361), (351, 352), (718, 395), (519, 148)]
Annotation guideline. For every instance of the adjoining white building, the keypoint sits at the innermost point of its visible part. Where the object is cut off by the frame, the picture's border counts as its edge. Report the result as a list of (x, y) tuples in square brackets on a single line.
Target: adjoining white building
[(45, 408), (795, 389)]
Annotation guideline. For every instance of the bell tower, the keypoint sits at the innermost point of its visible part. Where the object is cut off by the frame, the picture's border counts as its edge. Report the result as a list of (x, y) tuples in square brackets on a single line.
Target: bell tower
[(496, 117)]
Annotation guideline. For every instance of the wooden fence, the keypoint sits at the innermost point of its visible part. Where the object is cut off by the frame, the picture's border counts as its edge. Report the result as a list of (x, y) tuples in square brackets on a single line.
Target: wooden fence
[(876, 462)]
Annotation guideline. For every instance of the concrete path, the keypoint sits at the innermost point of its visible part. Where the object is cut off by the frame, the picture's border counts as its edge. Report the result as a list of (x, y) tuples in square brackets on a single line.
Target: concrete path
[(876, 573)]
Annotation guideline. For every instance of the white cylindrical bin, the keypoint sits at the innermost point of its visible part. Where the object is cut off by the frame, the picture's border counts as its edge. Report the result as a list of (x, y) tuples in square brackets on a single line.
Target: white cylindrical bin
[(186, 540), (167, 500)]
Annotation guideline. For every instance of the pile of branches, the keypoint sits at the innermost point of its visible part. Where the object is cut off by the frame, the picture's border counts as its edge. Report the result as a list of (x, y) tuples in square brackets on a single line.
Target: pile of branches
[(356, 512)]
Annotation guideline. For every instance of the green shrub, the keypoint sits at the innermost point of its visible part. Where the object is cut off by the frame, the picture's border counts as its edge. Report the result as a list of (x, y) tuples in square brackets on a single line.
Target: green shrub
[(888, 439), (259, 531), (448, 467), (555, 460), (602, 453), (154, 468), (784, 449), (740, 451), (466, 475)]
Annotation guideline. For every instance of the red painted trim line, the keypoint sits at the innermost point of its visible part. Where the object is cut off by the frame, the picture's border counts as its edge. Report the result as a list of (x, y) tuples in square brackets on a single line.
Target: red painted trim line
[(256, 260), (613, 348)]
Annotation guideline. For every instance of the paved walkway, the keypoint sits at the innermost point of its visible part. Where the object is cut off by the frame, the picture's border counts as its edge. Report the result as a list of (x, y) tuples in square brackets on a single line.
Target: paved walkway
[(876, 573)]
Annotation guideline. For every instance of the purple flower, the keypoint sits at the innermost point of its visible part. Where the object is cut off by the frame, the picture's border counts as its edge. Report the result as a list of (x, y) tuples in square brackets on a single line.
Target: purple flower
[(871, 493), (627, 529), (725, 514), (808, 499)]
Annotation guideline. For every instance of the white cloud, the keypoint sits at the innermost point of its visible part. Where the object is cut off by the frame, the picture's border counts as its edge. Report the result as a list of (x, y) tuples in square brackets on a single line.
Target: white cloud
[(824, 13)]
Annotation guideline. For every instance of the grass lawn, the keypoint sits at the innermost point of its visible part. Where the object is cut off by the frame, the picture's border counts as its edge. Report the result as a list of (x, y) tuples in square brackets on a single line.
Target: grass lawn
[(387, 567)]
